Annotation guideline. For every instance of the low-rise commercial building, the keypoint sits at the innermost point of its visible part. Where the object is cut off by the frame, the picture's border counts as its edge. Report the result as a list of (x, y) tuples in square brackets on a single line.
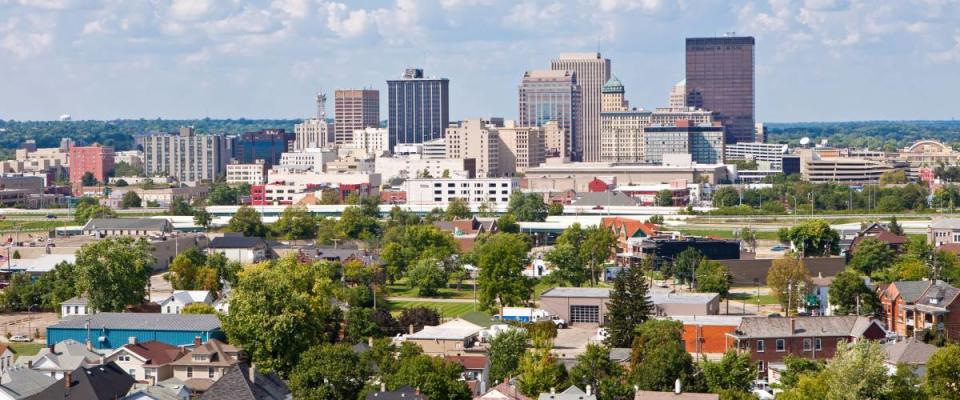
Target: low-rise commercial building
[(440, 191), (405, 167), (254, 173), (577, 176), (115, 329), (817, 168), (589, 305)]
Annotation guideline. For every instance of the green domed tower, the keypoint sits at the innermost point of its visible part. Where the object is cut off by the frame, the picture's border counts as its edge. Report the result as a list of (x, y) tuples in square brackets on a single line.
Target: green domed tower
[(612, 96)]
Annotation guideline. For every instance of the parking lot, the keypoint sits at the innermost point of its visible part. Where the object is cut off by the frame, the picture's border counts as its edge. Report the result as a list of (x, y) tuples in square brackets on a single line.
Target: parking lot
[(26, 324)]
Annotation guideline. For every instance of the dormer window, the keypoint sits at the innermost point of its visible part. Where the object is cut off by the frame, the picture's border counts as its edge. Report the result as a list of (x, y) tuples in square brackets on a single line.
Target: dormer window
[(199, 357)]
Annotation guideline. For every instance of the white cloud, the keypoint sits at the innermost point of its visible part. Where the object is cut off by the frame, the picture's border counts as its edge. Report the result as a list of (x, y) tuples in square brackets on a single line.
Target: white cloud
[(951, 54), (347, 23), (49, 4), (93, 27), (533, 16), (25, 45), (627, 5)]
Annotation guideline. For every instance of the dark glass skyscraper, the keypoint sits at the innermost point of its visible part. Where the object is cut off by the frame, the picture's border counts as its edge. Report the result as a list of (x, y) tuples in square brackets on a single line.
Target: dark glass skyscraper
[(546, 96), (720, 78), (419, 107)]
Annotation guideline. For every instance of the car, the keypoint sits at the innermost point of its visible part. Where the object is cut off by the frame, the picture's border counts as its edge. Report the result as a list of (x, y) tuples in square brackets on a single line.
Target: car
[(51, 216), (20, 338), (778, 248)]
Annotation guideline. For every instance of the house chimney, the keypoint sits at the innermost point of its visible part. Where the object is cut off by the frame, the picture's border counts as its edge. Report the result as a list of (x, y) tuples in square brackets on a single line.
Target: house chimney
[(589, 390), (253, 373), (411, 329), (383, 387), (66, 380), (89, 346), (793, 326), (418, 390), (132, 340), (196, 341), (30, 364), (676, 387), (50, 348), (370, 341), (553, 390)]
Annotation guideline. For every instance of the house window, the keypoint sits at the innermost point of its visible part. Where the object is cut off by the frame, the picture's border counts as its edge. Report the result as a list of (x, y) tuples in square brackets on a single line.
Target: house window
[(781, 345), (189, 372), (210, 372), (760, 346), (132, 373), (807, 345), (760, 365), (817, 345)]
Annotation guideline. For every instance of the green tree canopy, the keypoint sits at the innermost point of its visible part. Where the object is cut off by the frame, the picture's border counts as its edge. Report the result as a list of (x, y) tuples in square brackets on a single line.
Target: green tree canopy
[(406, 245), (629, 307), (539, 371), (504, 351), (943, 373), (733, 372), (296, 223), (789, 281), (247, 221), (427, 276), (871, 254), (527, 206), (659, 358), (849, 293), (328, 371), (198, 308), (131, 199), (458, 209), (814, 238), (594, 368), (113, 272), (179, 206), (501, 258)]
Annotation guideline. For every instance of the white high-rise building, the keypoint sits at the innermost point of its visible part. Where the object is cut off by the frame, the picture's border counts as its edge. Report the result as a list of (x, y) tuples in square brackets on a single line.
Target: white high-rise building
[(592, 72)]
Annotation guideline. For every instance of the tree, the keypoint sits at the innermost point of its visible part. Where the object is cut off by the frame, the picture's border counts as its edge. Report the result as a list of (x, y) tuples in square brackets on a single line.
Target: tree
[(329, 196), (857, 371), (458, 209), (685, 264), (527, 206), (629, 306), (328, 231), (870, 255), (407, 245), (503, 352), (539, 371), (202, 217), (418, 317), (436, 377), (113, 272), (894, 177), (595, 368), (122, 183), (714, 277), (328, 371), (16, 255), (501, 258), (659, 358), (725, 197), (130, 199), (356, 223), (88, 207), (88, 179), (943, 373), (798, 367), (789, 281), (507, 223), (749, 238), (359, 325), (272, 305), (58, 285), (895, 228), (123, 168), (568, 269), (427, 276), (664, 198), (733, 372), (198, 308), (222, 194), (849, 294), (809, 386), (192, 270), (555, 209), (904, 384), (179, 206), (597, 248), (247, 221), (814, 238), (296, 223)]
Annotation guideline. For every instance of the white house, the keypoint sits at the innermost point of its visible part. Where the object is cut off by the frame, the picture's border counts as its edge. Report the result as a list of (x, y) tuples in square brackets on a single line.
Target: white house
[(182, 298), (6, 358), (239, 248), (75, 306), (65, 356)]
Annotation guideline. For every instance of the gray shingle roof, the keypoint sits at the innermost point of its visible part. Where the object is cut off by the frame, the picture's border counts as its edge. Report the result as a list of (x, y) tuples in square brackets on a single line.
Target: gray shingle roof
[(20, 382), (230, 241), (572, 393), (603, 199), (235, 385), (577, 292), (129, 224), (911, 290), (910, 351), (150, 321), (945, 223), (768, 327)]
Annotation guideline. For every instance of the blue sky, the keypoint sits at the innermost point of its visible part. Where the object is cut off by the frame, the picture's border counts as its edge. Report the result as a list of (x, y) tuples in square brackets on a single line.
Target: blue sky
[(817, 60)]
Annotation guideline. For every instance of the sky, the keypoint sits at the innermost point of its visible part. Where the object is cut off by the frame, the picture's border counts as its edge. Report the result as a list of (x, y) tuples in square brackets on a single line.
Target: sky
[(816, 60)]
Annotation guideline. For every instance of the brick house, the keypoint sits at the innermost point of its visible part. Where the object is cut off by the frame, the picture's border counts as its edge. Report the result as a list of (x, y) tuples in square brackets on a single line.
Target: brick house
[(912, 306), (770, 339), (881, 233), (625, 229)]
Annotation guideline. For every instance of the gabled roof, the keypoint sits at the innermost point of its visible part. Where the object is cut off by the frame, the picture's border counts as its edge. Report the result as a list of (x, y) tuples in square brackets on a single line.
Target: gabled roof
[(402, 393), (910, 291), (153, 352), (938, 296), (106, 382), (478, 318), (454, 330), (235, 384), (504, 391), (75, 301), (129, 224), (469, 362), (217, 353), (603, 199), (233, 240), (158, 322), (945, 223), (188, 297), (630, 227), (20, 382), (66, 355), (820, 326), (910, 351), (651, 395), (572, 393)]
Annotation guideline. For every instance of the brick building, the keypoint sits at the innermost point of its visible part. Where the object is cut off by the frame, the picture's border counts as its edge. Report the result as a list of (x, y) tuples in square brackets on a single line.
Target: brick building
[(912, 306), (95, 159)]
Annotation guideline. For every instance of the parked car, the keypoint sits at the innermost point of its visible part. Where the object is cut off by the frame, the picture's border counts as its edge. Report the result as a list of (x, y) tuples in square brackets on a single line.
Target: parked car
[(20, 338), (51, 216), (778, 248)]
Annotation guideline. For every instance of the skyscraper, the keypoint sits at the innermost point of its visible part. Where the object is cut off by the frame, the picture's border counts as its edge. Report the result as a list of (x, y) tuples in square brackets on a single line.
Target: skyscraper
[(186, 156), (419, 107), (546, 96), (720, 78), (314, 132), (592, 71), (354, 109)]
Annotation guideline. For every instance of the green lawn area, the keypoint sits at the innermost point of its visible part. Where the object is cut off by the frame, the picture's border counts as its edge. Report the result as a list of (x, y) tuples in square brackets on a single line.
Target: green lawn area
[(751, 298), (25, 349), (402, 289), (446, 309), (725, 233), (45, 225)]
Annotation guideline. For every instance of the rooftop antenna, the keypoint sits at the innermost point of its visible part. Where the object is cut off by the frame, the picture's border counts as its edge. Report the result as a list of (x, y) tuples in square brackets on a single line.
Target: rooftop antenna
[(321, 105)]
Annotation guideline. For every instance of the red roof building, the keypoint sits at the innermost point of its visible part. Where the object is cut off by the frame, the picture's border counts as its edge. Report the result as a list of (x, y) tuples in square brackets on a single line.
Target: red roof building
[(96, 159)]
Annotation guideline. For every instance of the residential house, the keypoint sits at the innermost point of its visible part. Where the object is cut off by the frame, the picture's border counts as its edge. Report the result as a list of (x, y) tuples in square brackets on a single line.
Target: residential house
[(103, 227), (912, 306), (75, 306), (769, 339), (707, 334), (451, 338), (239, 248), (6, 358), (943, 231), (102, 382), (882, 233), (205, 364), (170, 389), (466, 231), (625, 229), (244, 382), (572, 393), (60, 358), (147, 362), (819, 303), (476, 369), (910, 352), (402, 393), (506, 390), (20, 382), (112, 330), (175, 303), (675, 395)]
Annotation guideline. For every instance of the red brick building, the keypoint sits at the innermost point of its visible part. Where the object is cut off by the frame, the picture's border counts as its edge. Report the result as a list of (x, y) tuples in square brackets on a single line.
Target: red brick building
[(707, 334), (768, 340), (95, 159), (912, 306)]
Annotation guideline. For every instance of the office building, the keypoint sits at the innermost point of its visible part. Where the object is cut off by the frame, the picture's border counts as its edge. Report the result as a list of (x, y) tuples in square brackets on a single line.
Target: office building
[(419, 107), (767, 155), (186, 156), (817, 168), (704, 143), (578, 176), (315, 132), (314, 159), (267, 145), (678, 95), (720, 78), (621, 134), (415, 165), (254, 173), (371, 141), (474, 139), (440, 191), (612, 96), (354, 109), (552, 96), (96, 159), (133, 158), (592, 72), (521, 147)]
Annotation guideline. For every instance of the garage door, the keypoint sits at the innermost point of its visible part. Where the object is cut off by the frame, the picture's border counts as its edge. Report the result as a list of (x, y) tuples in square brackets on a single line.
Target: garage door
[(585, 314)]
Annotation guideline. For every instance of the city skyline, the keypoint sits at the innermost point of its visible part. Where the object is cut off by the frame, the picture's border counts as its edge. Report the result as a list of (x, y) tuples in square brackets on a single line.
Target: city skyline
[(231, 59)]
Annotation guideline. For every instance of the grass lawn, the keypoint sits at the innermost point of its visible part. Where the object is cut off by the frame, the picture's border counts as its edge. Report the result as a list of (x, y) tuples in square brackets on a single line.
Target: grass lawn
[(402, 289), (751, 298), (446, 309), (725, 233), (45, 225), (25, 349)]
